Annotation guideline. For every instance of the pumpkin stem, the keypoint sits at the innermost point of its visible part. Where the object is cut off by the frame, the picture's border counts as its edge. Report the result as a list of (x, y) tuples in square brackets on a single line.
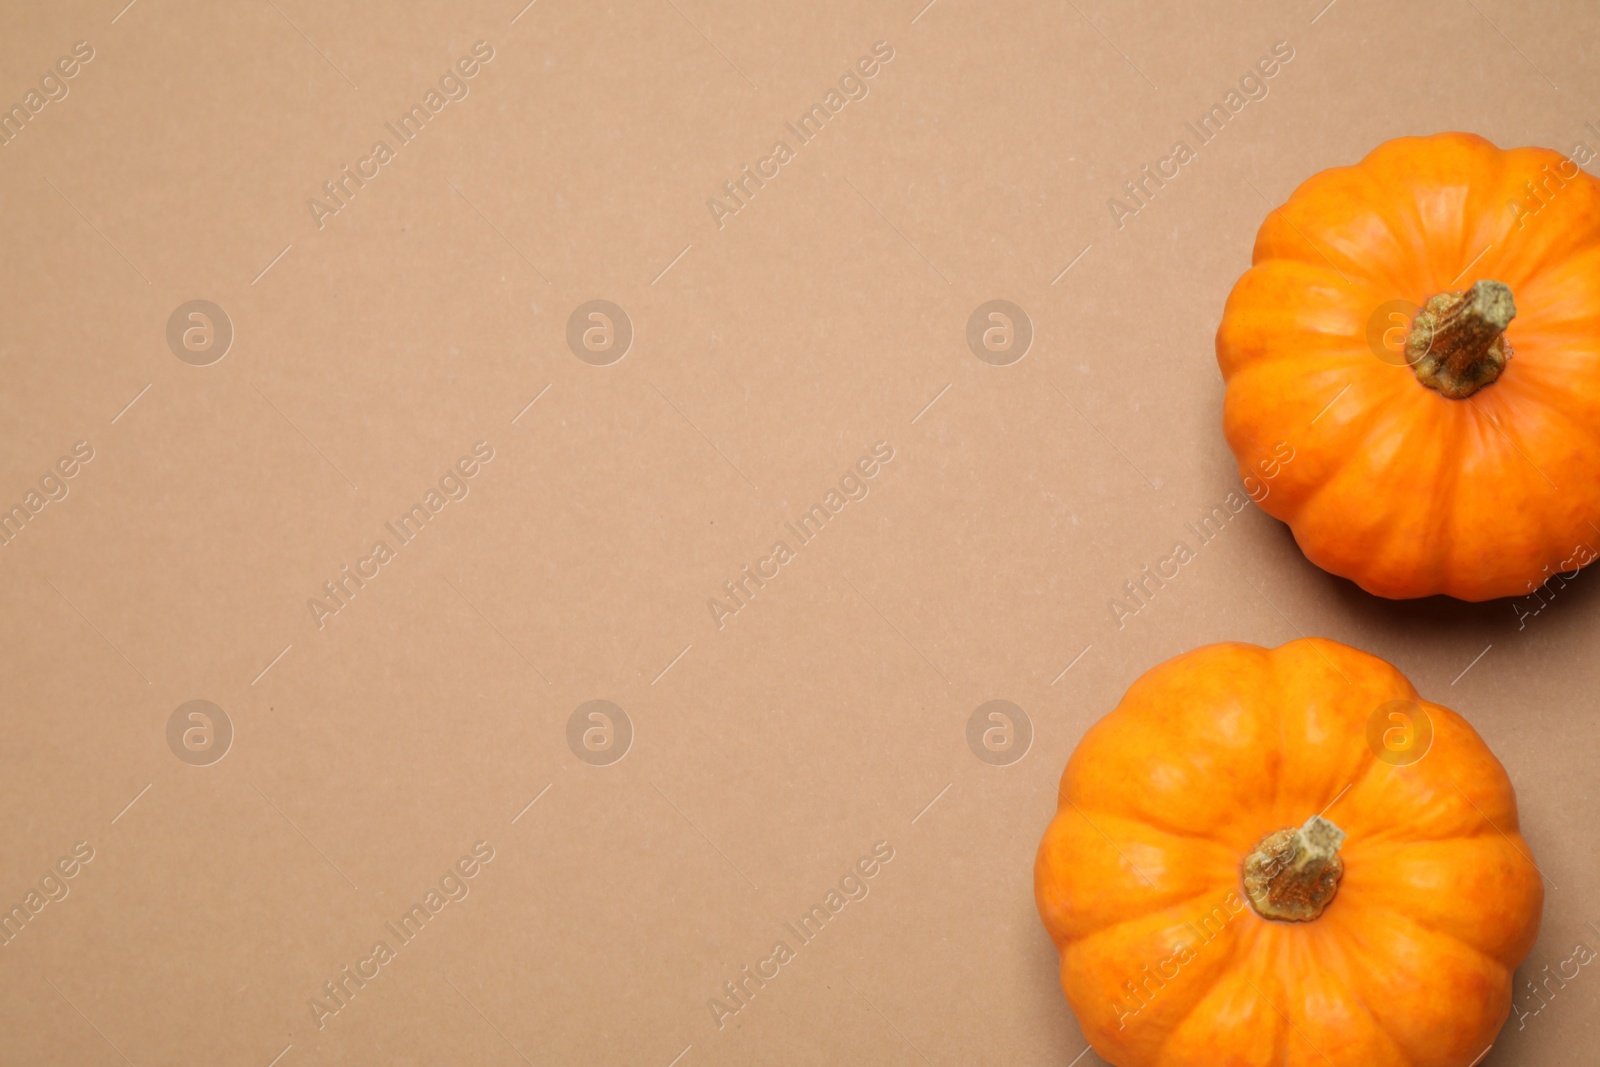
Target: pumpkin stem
[(1457, 342), (1293, 874)]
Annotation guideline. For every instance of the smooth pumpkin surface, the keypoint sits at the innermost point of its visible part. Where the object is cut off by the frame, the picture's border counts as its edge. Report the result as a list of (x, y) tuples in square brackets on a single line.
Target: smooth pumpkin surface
[(1141, 877), (1403, 488)]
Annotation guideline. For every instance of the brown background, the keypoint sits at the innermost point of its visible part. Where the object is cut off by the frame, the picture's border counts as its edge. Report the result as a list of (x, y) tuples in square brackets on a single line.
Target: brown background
[(822, 318)]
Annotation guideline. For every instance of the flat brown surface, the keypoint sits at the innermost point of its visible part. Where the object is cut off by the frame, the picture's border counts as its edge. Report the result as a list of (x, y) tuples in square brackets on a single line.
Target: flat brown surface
[(772, 349)]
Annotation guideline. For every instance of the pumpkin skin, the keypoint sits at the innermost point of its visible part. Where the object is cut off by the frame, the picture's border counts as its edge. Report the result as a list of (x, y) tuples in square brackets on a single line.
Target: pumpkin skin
[(1166, 962), (1394, 485)]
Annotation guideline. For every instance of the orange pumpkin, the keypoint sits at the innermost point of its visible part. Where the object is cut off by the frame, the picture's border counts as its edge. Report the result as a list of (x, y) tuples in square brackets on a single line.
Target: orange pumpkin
[(1286, 857), (1423, 331)]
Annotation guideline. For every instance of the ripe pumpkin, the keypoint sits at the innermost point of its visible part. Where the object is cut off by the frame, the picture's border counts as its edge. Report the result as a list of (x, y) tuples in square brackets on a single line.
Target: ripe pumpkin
[(1423, 330), (1237, 877)]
